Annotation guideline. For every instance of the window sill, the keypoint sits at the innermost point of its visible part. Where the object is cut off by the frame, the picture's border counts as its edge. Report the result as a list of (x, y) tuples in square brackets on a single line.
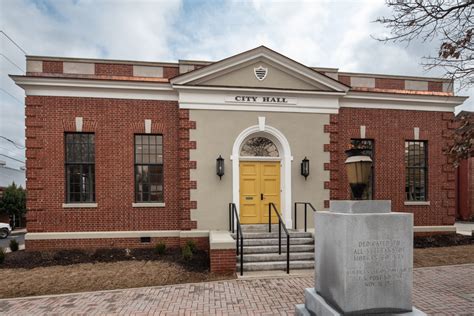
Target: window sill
[(148, 204), (79, 205), (419, 203)]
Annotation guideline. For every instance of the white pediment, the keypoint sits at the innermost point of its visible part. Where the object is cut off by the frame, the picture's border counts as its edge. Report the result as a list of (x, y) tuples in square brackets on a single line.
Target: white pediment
[(260, 68)]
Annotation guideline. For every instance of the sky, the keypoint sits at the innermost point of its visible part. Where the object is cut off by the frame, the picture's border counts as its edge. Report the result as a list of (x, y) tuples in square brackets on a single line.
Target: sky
[(337, 34)]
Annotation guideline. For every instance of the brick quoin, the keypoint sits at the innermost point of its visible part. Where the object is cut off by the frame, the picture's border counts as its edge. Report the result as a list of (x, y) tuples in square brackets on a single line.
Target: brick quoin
[(114, 122), (389, 129)]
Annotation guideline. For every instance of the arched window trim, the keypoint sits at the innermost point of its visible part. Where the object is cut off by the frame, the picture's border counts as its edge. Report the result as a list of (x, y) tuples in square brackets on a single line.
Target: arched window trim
[(266, 147)]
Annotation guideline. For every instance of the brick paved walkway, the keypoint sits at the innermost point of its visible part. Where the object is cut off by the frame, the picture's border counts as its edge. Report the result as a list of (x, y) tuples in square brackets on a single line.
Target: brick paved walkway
[(445, 290)]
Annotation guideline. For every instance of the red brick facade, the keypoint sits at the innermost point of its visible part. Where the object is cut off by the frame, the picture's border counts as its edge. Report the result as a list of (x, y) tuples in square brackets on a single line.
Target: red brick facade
[(222, 261), (202, 243), (466, 189), (114, 122), (114, 69), (53, 67), (389, 129), (385, 83)]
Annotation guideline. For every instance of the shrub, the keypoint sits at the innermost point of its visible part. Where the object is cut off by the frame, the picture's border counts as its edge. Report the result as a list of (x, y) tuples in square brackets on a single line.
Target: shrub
[(2, 255), (192, 245), (187, 253), (160, 248), (14, 246)]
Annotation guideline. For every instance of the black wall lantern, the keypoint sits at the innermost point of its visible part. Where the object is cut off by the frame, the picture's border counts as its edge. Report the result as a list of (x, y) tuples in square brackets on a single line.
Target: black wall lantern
[(220, 166), (305, 168)]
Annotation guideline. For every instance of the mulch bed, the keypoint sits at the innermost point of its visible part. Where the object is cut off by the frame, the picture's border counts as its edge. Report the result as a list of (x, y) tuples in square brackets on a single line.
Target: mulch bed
[(445, 240), (34, 259)]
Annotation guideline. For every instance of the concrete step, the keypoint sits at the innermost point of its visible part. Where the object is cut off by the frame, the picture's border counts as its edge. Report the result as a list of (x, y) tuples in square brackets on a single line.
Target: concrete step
[(273, 234), (274, 241), (276, 265), (274, 249), (267, 257), (258, 227)]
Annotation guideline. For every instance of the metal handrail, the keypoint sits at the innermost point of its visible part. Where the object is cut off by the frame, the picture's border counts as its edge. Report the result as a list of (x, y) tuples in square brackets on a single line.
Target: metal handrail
[(305, 213), (240, 236), (280, 225)]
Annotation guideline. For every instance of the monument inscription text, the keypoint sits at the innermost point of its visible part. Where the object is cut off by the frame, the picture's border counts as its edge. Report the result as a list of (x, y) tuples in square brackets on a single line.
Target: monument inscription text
[(376, 263)]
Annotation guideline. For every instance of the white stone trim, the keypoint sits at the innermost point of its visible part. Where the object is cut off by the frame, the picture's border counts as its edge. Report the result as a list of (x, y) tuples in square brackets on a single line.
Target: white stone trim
[(104, 234), (248, 158), (362, 131), (34, 66), (148, 205), (261, 123), (147, 71), (67, 87), (416, 85), (429, 229), (257, 108), (79, 205), (185, 68), (255, 54), (373, 100), (447, 86), (148, 126), (218, 99), (365, 82), (259, 90), (101, 61), (415, 203), (78, 68), (285, 179), (193, 233), (117, 234), (79, 123), (220, 240), (416, 133)]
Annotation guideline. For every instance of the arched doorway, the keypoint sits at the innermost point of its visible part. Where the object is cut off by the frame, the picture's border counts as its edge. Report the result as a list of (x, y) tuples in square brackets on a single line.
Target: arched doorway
[(261, 173)]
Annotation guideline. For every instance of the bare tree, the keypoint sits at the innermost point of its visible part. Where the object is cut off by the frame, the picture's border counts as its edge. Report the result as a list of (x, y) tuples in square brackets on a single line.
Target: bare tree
[(462, 146), (451, 22)]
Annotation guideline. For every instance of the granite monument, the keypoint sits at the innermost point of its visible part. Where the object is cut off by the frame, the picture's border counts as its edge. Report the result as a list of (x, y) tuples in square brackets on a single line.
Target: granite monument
[(363, 261)]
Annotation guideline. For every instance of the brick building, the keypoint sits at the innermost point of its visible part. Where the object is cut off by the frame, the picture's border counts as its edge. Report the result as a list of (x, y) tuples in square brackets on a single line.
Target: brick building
[(123, 152), (466, 190)]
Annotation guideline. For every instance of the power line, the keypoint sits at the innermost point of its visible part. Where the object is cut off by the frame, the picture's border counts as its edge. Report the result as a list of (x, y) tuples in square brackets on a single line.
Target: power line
[(10, 152), (14, 43), (12, 158), (12, 96), (11, 62), (19, 146)]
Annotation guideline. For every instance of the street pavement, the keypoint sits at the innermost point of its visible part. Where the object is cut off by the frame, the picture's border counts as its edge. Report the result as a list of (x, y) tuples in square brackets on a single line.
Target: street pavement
[(18, 235)]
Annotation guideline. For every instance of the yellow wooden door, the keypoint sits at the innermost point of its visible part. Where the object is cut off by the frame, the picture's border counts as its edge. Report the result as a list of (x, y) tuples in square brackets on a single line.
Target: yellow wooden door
[(259, 185)]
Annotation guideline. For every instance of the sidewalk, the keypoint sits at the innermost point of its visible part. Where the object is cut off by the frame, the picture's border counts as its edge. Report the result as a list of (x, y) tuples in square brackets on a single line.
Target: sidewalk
[(464, 228), (18, 231), (447, 290)]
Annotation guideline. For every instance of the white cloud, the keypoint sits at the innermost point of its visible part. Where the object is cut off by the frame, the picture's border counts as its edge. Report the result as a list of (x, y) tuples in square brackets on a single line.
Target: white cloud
[(317, 33)]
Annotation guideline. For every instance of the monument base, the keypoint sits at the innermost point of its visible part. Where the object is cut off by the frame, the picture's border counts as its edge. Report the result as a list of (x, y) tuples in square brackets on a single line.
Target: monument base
[(315, 304)]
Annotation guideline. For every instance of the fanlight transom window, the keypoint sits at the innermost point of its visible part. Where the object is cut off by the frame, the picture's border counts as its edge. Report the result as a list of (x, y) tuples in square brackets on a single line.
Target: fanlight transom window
[(260, 147)]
